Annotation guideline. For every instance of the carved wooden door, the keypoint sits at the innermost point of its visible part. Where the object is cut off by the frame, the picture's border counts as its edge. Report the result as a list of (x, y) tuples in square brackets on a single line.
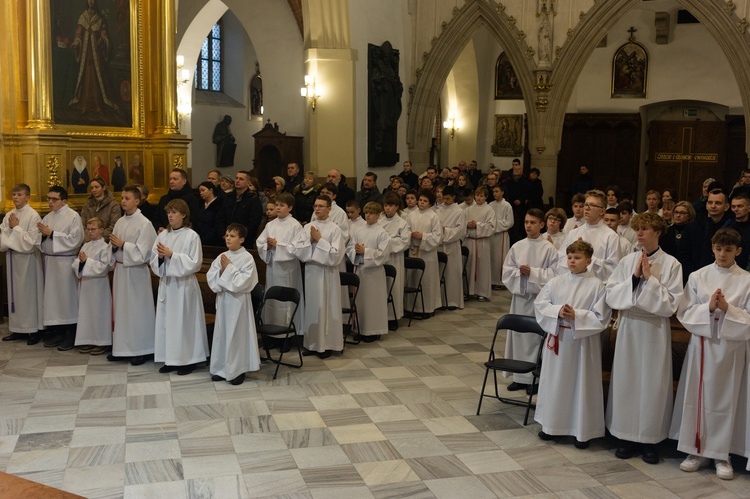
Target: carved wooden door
[(683, 154)]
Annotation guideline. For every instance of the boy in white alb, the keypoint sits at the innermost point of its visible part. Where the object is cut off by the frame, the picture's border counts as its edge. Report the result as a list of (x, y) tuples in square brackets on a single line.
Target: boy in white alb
[(577, 219), (322, 250), (277, 246), (612, 220), (426, 236), (62, 236), (233, 277), (572, 310), (91, 268), (714, 308), (20, 239), (500, 240), (480, 221), (624, 229), (356, 222), (646, 288), (368, 249), (453, 221), (529, 266), (555, 219), (132, 294), (181, 341), (411, 203), (400, 235)]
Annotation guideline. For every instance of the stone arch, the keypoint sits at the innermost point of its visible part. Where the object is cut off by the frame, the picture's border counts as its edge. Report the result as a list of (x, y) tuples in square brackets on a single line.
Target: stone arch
[(442, 57), (719, 20)]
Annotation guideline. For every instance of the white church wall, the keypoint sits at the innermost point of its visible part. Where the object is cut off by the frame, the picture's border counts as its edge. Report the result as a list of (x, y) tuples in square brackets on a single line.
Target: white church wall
[(691, 67), (375, 23)]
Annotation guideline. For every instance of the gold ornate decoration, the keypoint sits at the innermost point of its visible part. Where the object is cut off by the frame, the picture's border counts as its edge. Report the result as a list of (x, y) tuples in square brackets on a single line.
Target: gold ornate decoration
[(53, 170), (178, 161)]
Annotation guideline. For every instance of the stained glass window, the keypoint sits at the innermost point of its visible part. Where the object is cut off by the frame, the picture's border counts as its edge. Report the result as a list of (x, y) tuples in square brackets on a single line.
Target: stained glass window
[(208, 69)]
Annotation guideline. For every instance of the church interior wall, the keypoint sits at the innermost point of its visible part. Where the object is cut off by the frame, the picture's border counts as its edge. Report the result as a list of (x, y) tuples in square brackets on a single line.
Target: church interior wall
[(375, 23), (691, 66)]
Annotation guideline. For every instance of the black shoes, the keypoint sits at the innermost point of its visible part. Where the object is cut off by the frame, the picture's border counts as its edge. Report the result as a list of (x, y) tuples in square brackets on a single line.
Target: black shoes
[(392, 325), (34, 338), (54, 339), (16, 337), (326, 354), (238, 380), (545, 436), (167, 369), (216, 377), (139, 360), (532, 388), (650, 454), (185, 370), (625, 450), (581, 445), (514, 387), (69, 342)]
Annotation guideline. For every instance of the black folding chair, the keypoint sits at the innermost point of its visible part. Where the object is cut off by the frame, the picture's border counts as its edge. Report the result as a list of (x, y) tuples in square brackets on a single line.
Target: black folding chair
[(443, 260), (417, 265), (286, 332), (390, 273), (525, 325), (351, 282), (464, 275)]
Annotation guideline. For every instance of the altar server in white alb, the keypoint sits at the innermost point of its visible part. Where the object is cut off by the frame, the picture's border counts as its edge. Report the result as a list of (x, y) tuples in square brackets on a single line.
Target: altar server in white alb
[(91, 268), (500, 240), (572, 310), (368, 249), (426, 237), (646, 288), (340, 218), (277, 246), (530, 264), (453, 221), (400, 235), (20, 240), (181, 341), (62, 236), (714, 308), (480, 221), (322, 250), (233, 277), (605, 241), (131, 240)]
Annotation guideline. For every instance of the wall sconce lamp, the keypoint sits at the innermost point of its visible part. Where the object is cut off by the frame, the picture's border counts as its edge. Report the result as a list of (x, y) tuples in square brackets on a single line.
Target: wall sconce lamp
[(451, 125), (184, 107), (310, 91)]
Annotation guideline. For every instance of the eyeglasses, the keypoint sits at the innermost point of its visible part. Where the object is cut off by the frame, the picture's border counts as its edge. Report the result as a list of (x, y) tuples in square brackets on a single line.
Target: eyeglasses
[(92, 229), (679, 213), (587, 205), (52, 200)]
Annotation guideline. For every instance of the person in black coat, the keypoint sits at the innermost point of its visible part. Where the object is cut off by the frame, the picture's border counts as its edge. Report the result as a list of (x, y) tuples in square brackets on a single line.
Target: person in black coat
[(241, 206), (345, 193), (179, 188), (208, 215)]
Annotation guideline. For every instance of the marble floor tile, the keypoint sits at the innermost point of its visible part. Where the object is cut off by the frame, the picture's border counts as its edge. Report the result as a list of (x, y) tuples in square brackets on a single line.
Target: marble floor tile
[(449, 425), (203, 428), (345, 417), (433, 467), (557, 478), (421, 446), (249, 424), (344, 475), (98, 455), (315, 457), (41, 441), (275, 483), (357, 433), (614, 472), (513, 483), (488, 462), (694, 486), (384, 472), (465, 486), (109, 419), (298, 421), (206, 446), (37, 460), (102, 405), (210, 466), (152, 451), (389, 413), (224, 487), (269, 460), (158, 490), (151, 432), (40, 424), (381, 450), (642, 490), (468, 442), (332, 402), (162, 470), (307, 438), (256, 442), (365, 386)]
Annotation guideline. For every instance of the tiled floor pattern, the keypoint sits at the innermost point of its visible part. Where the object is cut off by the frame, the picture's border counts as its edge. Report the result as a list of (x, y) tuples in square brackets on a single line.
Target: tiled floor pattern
[(395, 418)]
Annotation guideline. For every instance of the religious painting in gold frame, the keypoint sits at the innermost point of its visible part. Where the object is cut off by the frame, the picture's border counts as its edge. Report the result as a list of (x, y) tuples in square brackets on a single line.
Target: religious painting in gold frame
[(630, 71), (96, 74), (507, 86), (508, 135)]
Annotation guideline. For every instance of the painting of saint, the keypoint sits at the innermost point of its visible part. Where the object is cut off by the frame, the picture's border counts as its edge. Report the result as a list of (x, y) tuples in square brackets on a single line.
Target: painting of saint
[(506, 82), (629, 71), (79, 176)]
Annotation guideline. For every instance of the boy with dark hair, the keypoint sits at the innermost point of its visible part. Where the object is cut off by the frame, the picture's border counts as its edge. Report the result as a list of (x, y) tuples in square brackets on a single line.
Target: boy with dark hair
[(577, 219), (20, 239), (714, 308)]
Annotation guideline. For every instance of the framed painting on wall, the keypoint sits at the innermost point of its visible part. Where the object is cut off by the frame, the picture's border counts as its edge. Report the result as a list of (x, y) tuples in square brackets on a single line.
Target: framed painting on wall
[(94, 61), (508, 135), (630, 71), (506, 82)]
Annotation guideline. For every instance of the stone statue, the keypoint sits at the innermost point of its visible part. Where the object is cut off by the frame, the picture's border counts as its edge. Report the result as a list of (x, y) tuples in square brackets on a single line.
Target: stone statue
[(545, 39), (384, 92), (224, 141)]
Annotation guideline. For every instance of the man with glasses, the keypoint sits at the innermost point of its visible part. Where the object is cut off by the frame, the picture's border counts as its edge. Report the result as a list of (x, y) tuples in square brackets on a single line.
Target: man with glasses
[(62, 237), (606, 242)]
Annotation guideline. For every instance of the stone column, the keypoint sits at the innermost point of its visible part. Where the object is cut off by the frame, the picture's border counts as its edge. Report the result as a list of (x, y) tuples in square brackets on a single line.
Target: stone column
[(39, 74)]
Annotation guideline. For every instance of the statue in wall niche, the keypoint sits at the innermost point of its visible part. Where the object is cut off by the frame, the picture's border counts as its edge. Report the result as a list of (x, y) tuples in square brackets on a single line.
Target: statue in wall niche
[(224, 140), (384, 104), (545, 38)]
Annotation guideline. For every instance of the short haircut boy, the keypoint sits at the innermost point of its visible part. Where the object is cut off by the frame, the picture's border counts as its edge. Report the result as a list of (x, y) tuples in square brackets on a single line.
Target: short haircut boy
[(558, 213), (578, 198), (392, 199), (481, 190), (285, 198), (535, 170), (373, 207), (22, 188), (95, 221), (135, 191), (580, 247), (59, 190), (429, 195), (328, 201), (651, 221), (331, 187), (625, 206), (727, 237), (240, 229), (350, 204), (596, 193), (536, 213)]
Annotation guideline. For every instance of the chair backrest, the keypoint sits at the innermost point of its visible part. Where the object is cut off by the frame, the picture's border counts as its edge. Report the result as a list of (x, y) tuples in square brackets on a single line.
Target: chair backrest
[(519, 324), (442, 257), (412, 263), (349, 279), (390, 272), (282, 293), (464, 251)]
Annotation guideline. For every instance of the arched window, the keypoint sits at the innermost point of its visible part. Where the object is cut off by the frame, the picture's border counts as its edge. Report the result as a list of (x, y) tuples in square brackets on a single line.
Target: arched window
[(208, 72)]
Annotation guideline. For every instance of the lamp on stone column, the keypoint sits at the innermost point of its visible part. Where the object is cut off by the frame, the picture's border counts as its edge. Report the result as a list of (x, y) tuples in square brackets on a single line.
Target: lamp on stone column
[(310, 91), (452, 125), (184, 107)]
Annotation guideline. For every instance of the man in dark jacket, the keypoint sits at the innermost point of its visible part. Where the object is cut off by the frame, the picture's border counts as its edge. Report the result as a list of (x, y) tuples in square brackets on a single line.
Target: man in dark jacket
[(242, 206), (345, 193), (516, 187), (409, 177), (293, 178), (179, 188), (698, 234), (369, 192)]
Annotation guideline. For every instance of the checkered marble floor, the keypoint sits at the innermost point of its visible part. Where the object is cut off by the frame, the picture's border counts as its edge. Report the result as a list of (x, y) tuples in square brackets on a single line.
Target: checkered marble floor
[(394, 418)]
